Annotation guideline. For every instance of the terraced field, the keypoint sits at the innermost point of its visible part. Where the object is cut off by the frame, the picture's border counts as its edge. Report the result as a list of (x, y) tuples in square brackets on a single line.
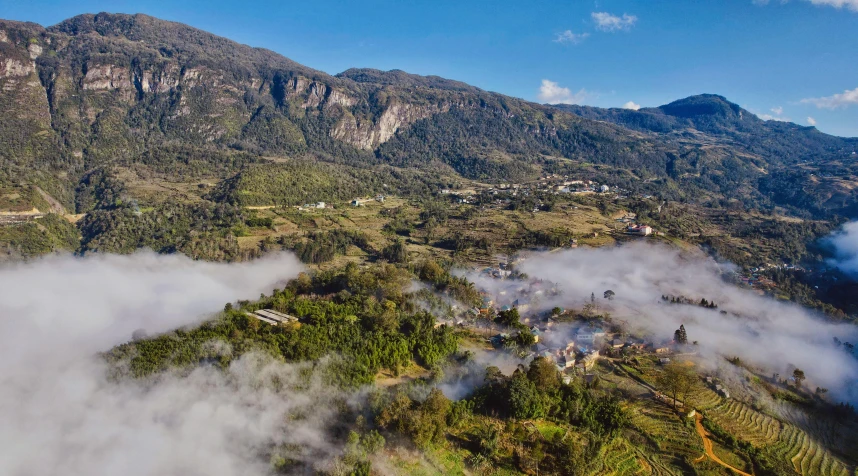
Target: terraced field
[(621, 458), (840, 435), (812, 458), (654, 465), (746, 423), (672, 436), (792, 449), (706, 399)]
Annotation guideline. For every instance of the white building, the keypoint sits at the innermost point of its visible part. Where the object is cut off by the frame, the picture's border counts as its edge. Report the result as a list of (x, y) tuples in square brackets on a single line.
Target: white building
[(642, 230)]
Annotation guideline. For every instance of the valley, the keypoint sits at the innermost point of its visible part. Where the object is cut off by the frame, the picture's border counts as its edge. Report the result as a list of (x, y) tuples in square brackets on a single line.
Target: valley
[(461, 282)]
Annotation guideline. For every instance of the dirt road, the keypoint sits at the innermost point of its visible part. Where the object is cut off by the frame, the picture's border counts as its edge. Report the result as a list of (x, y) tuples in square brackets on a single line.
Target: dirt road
[(707, 445)]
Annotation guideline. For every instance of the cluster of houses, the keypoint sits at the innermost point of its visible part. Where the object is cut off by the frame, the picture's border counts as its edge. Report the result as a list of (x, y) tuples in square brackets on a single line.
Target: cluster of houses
[(359, 202), (501, 271), (521, 297), (569, 356), (756, 281), (579, 349), (552, 183)]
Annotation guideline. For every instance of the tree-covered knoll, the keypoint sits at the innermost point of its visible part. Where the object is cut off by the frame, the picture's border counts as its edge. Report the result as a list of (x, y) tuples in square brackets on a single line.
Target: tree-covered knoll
[(364, 315)]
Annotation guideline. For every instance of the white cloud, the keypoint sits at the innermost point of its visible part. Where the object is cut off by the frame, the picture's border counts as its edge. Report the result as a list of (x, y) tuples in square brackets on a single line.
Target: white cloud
[(571, 38), (775, 116), (811, 121), (631, 105), (769, 117), (850, 4), (845, 243), (63, 414), (844, 99), (552, 93), (607, 22)]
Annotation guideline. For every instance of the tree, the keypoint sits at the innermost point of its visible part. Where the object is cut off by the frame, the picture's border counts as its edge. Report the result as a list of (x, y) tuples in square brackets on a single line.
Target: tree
[(395, 252), (609, 295), (494, 376), (680, 336), (392, 415), (677, 380), (429, 422), (798, 375), (589, 309), (543, 373), (510, 317), (432, 272), (525, 338), (525, 400), (610, 415)]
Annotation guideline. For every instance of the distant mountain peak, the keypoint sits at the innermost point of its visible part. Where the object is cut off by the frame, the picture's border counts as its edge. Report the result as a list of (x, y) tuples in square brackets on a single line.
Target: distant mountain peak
[(706, 105)]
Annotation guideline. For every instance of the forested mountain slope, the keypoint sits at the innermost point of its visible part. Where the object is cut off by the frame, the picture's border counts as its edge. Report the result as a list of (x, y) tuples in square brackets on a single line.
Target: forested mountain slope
[(95, 96)]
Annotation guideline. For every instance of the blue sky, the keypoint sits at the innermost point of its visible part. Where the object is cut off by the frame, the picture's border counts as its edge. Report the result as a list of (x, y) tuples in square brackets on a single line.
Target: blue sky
[(794, 60)]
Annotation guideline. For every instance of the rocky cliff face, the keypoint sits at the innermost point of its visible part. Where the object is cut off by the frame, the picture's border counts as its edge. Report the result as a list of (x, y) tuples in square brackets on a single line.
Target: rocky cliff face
[(368, 134), (206, 101), (23, 98)]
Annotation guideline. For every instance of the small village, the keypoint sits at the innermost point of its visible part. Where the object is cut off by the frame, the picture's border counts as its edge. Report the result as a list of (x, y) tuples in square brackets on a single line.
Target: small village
[(575, 342)]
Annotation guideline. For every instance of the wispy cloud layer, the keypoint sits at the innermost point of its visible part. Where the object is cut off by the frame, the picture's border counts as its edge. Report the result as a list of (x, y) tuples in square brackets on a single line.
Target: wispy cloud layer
[(850, 4), (552, 93), (568, 37), (763, 332), (845, 99), (608, 22), (811, 121)]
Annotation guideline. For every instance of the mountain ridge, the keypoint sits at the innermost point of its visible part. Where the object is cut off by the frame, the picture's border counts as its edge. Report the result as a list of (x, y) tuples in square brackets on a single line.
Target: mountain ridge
[(101, 92)]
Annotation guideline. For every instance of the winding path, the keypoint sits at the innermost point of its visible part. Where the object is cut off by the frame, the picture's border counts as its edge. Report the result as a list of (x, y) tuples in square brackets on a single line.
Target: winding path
[(707, 445)]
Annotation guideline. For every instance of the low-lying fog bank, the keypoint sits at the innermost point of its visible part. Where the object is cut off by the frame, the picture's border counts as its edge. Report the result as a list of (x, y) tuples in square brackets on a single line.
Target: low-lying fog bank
[(845, 246), (759, 330), (62, 416)]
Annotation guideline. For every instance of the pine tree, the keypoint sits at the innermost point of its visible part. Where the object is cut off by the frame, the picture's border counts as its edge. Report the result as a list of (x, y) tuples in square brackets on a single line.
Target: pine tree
[(680, 336)]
